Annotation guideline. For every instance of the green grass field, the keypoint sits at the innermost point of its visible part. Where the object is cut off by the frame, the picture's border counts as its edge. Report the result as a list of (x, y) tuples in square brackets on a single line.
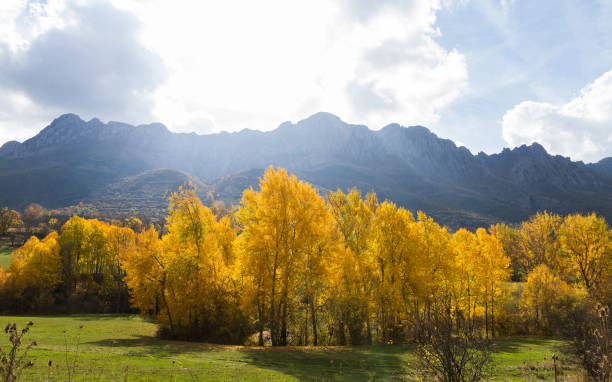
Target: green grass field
[(111, 347), (5, 257)]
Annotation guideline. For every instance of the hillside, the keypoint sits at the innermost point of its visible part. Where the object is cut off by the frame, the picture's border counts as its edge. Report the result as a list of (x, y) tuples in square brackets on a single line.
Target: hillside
[(111, 165), (145, 193)]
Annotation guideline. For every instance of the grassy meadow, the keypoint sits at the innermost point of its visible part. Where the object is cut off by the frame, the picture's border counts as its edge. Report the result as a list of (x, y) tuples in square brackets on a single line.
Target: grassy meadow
[(124, 347), (5, 256)]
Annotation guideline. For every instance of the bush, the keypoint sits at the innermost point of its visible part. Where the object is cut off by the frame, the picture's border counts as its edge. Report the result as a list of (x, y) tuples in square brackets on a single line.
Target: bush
[(452, 355)]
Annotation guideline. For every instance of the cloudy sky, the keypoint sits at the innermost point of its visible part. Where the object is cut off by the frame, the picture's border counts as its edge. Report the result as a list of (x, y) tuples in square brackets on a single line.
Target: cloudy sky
[(485, 73)]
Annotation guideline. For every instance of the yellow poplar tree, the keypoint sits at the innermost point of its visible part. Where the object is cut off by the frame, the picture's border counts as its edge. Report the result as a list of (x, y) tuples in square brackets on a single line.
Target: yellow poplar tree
[(36, 269), (353, 217), (284, 236), (587, 243), (495, 272), (542, 289), (538, 242), (392, 241)]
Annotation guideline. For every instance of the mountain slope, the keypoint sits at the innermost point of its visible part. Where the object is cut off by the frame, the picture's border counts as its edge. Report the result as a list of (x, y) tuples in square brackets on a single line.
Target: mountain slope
[(147, 193), (111, 165)]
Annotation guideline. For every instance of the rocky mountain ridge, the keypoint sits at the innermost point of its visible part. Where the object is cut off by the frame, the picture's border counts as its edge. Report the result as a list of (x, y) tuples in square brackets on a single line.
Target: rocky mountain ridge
[(72, 160)]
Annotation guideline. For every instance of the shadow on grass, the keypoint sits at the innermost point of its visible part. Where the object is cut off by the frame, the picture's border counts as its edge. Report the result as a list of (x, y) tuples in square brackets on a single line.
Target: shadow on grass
[(517, 344), (336, 363), (146, 345)]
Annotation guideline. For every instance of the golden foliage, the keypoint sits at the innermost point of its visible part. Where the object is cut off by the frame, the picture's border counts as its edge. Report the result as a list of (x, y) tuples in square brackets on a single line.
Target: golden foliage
[(296, 268)]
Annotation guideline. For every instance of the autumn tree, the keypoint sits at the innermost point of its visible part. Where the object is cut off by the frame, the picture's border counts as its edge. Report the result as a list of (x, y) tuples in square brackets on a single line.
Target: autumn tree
[(54, 224), (509, 240), (133, 223), (8, 219), (184, 279), (538, 242), (435, 273), (543, 289), (587, 243), (146, 275), (285, 237), (33, 215), (497, 266), (468, 281), (91, 272), (392, 243), (35, 272), (353, 300)]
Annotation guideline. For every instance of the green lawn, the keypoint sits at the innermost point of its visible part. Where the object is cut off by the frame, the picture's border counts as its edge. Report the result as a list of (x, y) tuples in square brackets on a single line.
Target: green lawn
[(5, 257), (109, 347)]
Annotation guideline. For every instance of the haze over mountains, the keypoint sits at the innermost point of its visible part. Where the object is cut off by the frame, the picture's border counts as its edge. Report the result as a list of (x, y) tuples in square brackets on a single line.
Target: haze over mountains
[(119, 168)]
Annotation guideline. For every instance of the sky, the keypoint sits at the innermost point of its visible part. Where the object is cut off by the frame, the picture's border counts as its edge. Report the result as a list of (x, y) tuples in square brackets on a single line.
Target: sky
[(487, 74)]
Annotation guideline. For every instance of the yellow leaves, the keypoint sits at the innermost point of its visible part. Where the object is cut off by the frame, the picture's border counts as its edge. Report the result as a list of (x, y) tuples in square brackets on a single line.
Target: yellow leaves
[(542, 286), (287, 256), (392, 243), (587, 244), (286, 237), (144, 264), (540, 295), (90, 246), (353, 216), (36, 264), (8, 218), (185, 276), (538, 243)]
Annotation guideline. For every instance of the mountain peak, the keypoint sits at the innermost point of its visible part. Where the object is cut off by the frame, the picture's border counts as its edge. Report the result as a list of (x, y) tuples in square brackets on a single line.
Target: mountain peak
[(9, 148), (417, 129), (393, 126), (62, 123), (156, 127), (420, 129), (533, 149), (536, 147), (67, 118), (322, 118)]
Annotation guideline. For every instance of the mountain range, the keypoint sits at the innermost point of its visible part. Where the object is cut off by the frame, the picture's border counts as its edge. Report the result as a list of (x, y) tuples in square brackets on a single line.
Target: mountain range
[(121, 168)]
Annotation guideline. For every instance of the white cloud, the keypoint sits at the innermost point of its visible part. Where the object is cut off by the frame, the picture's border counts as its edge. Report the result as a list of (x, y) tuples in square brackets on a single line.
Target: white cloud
[(580, 129), (239, 64), (228, 65), (84, 59)]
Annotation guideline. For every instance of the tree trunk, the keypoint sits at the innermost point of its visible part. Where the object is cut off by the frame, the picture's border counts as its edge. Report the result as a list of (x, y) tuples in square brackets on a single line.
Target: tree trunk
[(260, 319), (486, 319), (369, 330), (313, 314), (163, 293), (306, 327), (273, 317), (492, 317), (284, 324), (341, 336)]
